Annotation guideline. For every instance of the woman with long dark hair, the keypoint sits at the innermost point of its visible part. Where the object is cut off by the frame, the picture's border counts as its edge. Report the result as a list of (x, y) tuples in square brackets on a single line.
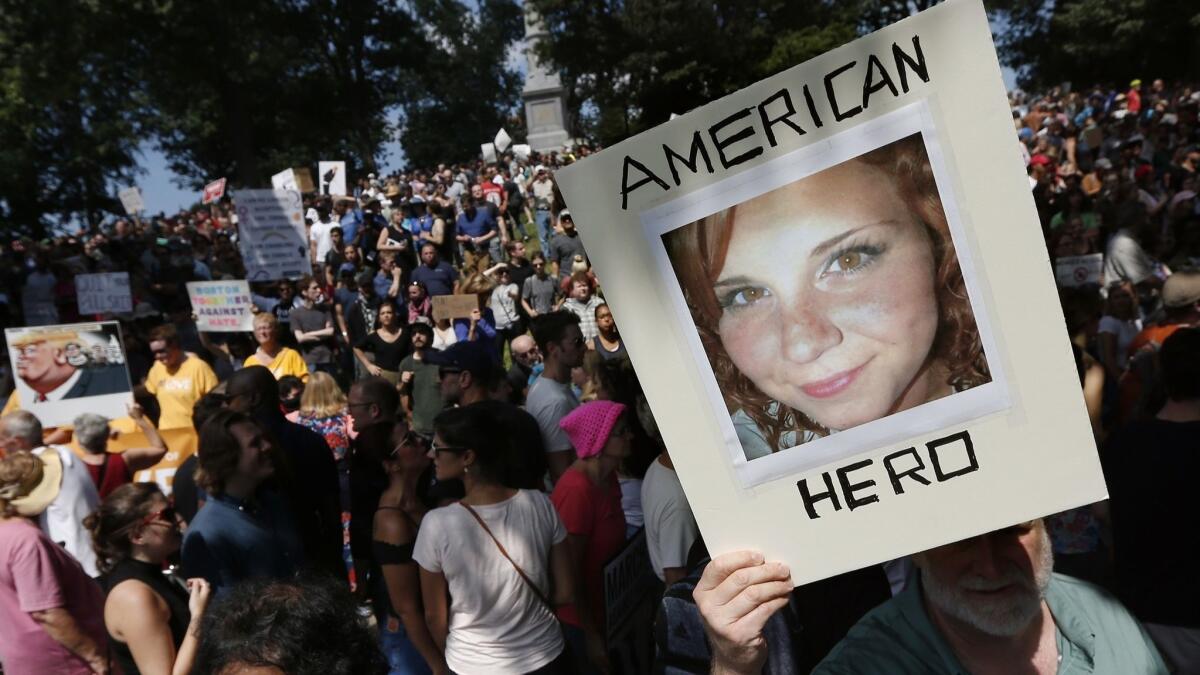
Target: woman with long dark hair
[(152, 619), (495, 564)]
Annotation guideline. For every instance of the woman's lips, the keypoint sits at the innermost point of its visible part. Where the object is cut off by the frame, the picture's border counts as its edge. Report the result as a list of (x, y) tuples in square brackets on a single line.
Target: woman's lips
[(832, 386)]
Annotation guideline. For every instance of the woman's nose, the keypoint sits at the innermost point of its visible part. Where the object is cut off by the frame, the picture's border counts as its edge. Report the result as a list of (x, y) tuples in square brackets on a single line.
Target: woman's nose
[(808, 332)]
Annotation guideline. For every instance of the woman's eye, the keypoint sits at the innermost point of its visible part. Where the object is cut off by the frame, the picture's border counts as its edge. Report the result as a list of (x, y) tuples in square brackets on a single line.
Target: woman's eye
[(853, 260), (744, 297)]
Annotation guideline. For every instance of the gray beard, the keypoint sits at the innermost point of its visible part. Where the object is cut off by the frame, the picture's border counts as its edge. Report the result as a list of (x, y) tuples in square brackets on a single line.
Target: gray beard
[(1002, 617)]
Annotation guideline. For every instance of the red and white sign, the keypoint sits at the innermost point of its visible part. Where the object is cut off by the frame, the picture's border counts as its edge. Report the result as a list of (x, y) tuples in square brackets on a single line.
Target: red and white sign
[(214, 191)]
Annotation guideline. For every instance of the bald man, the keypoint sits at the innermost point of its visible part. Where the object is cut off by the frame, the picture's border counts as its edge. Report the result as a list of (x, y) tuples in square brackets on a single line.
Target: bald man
[(525, 356)]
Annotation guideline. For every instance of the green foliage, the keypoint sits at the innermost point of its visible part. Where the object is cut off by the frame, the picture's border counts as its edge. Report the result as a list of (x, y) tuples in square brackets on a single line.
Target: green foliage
[(1099, 41), (237, 89)]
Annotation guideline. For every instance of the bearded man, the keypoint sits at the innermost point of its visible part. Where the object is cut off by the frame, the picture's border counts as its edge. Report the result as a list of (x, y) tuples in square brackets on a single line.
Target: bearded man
[(988, 604)]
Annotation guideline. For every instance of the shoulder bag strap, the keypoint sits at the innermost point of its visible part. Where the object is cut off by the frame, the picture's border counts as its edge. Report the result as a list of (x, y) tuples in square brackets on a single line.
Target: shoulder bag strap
[(524, 577)]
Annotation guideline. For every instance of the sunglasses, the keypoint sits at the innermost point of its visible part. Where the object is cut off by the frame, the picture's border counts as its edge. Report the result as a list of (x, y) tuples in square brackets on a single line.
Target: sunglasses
[(410, 438), (446, 448), (165, 515)]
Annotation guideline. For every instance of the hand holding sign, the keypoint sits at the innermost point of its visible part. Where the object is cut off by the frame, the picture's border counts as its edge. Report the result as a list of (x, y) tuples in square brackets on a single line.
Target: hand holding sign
[(736, 595)]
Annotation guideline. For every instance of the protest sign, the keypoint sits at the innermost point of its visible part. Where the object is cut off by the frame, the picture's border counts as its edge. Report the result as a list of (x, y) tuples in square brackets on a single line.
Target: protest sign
[(271, 234), (304, 180), (222, 306), (1079, 270), (630, 602), (502, 141), (488, 150), (285, 180), (131, 199), (829, 283), (454, 306), (62, 371), (522, 152), (214, 191), (106, 293), (333, 178)]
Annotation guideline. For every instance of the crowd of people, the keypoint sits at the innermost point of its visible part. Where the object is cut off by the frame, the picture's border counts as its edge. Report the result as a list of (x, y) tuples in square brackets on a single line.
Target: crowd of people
[(384, 483)]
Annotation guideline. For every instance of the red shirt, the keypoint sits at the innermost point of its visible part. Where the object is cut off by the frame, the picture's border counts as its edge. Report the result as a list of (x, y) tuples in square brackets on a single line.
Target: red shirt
[(110, 475), (593, 511)]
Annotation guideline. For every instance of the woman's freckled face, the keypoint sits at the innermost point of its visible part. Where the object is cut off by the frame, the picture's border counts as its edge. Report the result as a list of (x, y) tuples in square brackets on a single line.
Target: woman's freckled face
[(827, 293)]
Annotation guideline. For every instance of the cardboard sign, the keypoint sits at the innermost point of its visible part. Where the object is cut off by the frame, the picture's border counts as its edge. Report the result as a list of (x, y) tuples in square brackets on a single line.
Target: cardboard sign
[(131, 199), (488, 150), (522, 152), (454, 306), (271, 234), (106, 293), (63, 371), (1079, 270), (304, 180), (181, 444), (829, 285), (214, 191), (222, 306), (502, 141), (285, 180), (332, 176)]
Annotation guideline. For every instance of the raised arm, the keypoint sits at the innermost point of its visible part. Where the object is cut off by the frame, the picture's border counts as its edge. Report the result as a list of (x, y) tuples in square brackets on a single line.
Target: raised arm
[(139, 459)]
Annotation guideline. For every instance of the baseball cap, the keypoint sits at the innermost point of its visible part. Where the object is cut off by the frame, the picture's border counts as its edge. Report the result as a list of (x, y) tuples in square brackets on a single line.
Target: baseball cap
[(565, 213), (539, 168), (473, 357)]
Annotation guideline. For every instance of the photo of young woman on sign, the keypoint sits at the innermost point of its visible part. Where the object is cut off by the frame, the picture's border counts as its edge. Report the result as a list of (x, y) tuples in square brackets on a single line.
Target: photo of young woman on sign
[(831, 302)]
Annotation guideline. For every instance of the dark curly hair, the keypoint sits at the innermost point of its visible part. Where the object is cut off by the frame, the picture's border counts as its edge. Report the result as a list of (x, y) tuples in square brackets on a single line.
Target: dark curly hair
[(697, 252), (308, 626), (220, 450), (113, 521)]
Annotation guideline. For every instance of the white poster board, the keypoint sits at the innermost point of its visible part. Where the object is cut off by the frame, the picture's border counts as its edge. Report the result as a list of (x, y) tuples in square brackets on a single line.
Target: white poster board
[(488, 150), (502, 140), (285, 180), (222, 306), (522, 152), (271, 234), (63, 371), (105, 293), (1079, 270), (332, 178), (131, 199), (835, 292)]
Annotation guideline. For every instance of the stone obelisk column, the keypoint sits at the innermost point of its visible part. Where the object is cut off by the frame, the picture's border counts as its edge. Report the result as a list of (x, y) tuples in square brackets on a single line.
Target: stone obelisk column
[(545, 101)]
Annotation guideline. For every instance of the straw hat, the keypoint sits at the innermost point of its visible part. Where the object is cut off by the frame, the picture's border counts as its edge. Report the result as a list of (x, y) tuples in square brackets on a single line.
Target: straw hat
[(29, 482)]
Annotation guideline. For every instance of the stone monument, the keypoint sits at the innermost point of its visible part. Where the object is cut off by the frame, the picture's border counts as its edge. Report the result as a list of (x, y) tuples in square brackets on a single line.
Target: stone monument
[(545, 103)]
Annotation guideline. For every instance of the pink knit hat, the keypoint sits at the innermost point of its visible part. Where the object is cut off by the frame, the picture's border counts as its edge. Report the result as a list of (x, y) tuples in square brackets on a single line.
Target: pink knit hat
[(589, 426)]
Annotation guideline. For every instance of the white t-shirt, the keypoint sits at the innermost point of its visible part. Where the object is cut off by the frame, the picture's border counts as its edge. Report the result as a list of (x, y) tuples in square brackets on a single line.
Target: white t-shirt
[(320, 235), (77, 499), (670, 526), (504, 305), (1125, 331), (497, 624)]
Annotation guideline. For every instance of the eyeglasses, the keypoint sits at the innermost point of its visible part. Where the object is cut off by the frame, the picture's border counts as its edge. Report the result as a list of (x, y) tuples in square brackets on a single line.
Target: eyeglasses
[(447, 448), (165, 515), (410, 438)]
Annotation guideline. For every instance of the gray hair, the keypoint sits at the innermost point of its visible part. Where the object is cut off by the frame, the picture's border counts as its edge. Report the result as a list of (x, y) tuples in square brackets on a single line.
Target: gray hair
[(23, 425), (91, 430)]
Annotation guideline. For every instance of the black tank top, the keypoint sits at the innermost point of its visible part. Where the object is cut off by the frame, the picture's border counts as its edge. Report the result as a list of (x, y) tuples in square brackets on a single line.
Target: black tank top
[(172, 593)]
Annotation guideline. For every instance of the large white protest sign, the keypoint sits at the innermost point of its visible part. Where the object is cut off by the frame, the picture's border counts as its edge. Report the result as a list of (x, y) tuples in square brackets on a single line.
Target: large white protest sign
[(1079, 270), (488, 151), (332, 177), (63, 371), (222, 306), (271, 234), (131, 199), (105, 293), (835, 291), (285, 180), (522, 151), (502, 140)]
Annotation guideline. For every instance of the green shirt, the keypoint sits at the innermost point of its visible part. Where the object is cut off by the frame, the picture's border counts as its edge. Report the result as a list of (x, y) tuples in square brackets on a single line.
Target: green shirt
[(426, 393), (1094, 632)]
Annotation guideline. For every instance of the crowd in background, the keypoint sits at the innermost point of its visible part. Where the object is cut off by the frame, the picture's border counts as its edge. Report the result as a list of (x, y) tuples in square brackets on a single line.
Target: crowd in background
[(465, 478)]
